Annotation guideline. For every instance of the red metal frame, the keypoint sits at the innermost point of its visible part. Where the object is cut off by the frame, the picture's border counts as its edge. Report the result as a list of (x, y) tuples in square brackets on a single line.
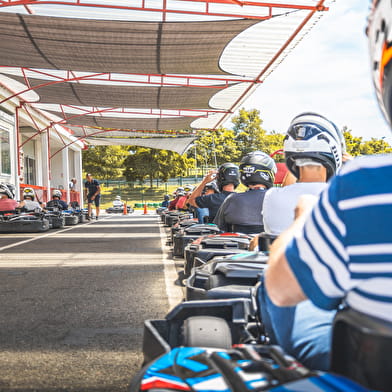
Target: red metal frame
[(165, 10), (109, 77), (90, 111)]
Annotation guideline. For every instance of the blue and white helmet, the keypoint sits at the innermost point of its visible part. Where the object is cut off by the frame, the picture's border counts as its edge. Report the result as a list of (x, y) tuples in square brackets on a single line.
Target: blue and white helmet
[(315, 138), (379, 31)]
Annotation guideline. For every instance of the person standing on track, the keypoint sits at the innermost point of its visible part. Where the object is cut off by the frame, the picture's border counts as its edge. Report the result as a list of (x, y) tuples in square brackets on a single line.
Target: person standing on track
[(93, 194)]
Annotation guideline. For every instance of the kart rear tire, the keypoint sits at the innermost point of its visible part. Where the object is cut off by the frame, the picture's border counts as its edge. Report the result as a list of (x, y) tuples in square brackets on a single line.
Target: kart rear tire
[(58, 222), (206, 331), (71, 220)]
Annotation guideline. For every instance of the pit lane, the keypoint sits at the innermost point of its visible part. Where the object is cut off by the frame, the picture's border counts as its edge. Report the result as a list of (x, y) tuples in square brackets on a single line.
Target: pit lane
[(73, 302)]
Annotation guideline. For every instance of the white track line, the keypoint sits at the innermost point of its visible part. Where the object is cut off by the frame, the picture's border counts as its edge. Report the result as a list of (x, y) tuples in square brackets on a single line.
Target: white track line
[(41, 236), (174, 293)]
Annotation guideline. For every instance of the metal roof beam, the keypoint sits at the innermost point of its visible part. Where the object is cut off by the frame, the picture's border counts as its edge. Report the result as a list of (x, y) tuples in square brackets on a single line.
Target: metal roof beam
[(263, 6), (149, 79)]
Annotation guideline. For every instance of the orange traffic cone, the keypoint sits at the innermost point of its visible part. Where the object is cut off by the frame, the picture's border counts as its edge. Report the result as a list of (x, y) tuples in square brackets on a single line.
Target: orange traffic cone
[(145, 209), (125, 211)]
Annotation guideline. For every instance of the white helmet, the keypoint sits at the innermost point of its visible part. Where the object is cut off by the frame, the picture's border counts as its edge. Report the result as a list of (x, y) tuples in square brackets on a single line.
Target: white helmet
[(117, 198), (28, 192), (56, 193), (379, 31), (313, 137), (7, 189)]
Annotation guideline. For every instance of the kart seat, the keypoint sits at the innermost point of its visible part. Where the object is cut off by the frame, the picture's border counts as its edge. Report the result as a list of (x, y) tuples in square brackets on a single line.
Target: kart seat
[(230, 291), (361, 349)]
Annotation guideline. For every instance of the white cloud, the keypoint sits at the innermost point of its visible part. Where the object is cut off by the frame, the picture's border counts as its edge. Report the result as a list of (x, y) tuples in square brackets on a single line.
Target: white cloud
[(327, 73)]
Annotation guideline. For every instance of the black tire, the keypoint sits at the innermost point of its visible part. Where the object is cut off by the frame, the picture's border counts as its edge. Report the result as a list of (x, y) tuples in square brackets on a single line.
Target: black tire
[(206, 331), (134, 386), (71, 220), (82, 218), (58, 222)]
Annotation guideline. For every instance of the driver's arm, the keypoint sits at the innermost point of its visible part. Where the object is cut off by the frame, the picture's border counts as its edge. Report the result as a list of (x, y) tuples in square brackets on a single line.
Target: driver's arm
[(199, 189)]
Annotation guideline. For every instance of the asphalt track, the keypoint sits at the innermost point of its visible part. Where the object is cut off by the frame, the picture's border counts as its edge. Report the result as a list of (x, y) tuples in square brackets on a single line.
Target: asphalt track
[(73, 302)]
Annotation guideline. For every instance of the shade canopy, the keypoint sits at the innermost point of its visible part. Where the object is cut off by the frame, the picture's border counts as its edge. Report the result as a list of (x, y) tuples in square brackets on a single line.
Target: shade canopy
[(141, 73)]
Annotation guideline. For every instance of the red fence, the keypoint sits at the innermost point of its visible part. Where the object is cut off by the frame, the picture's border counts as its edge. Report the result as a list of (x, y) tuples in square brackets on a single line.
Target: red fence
[(41, 193)]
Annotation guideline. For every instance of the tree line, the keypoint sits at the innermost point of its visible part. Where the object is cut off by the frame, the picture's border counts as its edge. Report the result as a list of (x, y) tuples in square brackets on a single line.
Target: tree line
[(210, 149)]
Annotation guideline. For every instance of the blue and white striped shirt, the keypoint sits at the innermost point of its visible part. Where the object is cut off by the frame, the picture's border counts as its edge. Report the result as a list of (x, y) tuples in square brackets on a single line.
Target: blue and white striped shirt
[(345, 249)]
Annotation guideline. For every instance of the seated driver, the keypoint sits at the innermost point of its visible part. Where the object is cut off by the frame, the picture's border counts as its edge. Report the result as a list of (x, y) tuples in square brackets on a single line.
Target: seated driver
[(7, 194), (29, 203), (241, 212), (117, 202), (56, 201), (227, 179), (312, 164), (339, 252)]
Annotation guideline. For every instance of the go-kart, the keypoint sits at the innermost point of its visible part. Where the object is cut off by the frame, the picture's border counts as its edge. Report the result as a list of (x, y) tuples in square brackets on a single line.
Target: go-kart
[(205, 248), (180, 225), (55, 217), (188, 233), (231, 276), (174, 216), (219, 345), (160, 210), (81, 213), (119, 209), (17, 221)]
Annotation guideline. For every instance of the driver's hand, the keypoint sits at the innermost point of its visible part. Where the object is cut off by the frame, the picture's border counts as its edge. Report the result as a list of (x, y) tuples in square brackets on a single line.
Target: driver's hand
[(210, 176)]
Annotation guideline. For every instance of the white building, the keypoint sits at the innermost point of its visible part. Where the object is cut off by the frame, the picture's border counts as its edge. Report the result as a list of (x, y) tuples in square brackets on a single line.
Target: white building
[(35, 154)]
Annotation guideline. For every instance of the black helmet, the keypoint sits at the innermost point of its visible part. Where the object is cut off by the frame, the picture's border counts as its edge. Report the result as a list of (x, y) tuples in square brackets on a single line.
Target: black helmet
[(314, 138), (211, 185), (257, 167), (228, 173), (7, 189), (379, 32), (166, 197)]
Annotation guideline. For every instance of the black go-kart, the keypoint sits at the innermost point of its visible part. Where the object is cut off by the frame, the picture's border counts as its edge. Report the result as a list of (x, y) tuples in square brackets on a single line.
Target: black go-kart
[(119, 210), (180, 225), (205, 248), (19, 221), (190, 232), (172, 217), (220, 345), (232, 276), (55, 216)]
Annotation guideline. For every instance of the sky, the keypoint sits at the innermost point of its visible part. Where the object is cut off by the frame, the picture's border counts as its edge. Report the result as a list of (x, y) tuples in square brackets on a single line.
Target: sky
[(328, 73)]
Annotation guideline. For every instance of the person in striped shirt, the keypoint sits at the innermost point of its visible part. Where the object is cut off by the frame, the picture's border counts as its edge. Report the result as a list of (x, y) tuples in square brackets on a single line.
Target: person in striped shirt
[(340, 251)]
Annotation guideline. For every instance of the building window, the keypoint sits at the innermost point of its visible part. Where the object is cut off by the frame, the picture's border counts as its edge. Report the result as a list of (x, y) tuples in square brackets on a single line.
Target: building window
[(5, 163), (29, 171)]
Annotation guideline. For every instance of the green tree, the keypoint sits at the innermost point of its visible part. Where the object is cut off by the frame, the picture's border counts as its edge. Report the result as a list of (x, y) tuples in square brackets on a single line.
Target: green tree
[(353, 143), (250, 136), (215, 147), (357, 146), (104, 162), (143, 163)]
